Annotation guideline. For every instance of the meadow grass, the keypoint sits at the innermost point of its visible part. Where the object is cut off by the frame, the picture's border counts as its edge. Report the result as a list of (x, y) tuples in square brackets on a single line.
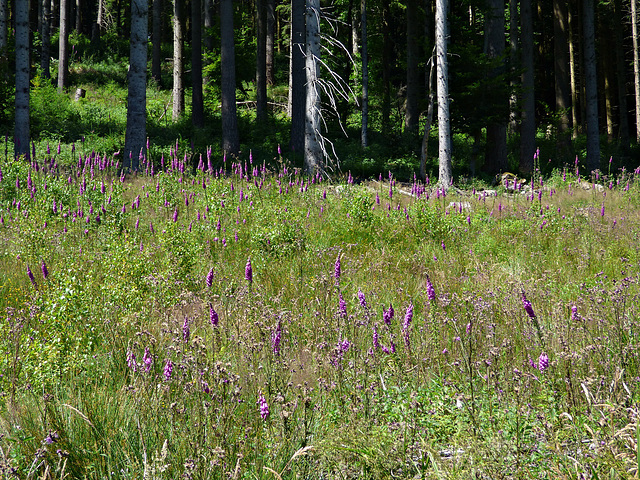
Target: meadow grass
[(385, 329)]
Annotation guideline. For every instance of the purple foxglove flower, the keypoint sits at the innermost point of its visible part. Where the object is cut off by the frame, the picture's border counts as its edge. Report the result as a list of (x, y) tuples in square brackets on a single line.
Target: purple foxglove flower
[(337, 270), (543, 362), (213, 316), (210, 278), (147, 359), (468, 328), (408, 317), (574, 313), (361, 298), (45, 271), (527, 306), (263, 407), (168, 369), (131, 360), (186, 330), (31, 277), (276, 337), (376, 338), (248, 272), (151, 227), (387, 315), (431, 293), (342, 306), (175, 215)]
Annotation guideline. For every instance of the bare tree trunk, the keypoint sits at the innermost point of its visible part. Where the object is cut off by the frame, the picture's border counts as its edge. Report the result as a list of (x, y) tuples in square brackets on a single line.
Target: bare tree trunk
[(97, 26), (561, 70), (63, 51), (636, 63), (412, 111), (261, 62), (178, 67), (197, 101), (496, 151), (386, 67), (313, 155), (208, 24), (429, 120), (230, 135), (445, 175), (528, 126), (156, 40), (514, 64), (364, 137), (45, 33), (591, 87), (297, 76), (4, 26), (22, 132), (621, 74), (136, 134), (575, 101), (271, 21)]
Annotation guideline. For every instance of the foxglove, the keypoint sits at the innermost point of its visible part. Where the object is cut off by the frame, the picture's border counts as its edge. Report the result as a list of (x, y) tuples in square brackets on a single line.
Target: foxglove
[(168, 369), (210, 278), (387, 315), (527, 306), (263, 407), (248, 272)]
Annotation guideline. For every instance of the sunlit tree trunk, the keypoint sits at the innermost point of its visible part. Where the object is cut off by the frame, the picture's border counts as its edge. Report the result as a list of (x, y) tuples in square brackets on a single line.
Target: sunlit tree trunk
[(313, 155), (22, 133), (561, 70), (271, 22), (591, 87), (575, 101), (208, 24), (136, 133), (445, 175), (178, 67), (386, 65), (365, 75), (197, 101), (513, 59), (230, 135), (412, 110), (63, 51), (97, 26), (528, 125), (297, 76), (621, 74)]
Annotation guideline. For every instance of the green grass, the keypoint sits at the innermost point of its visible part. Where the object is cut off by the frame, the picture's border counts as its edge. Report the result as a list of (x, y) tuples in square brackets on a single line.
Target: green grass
[(460, 397)]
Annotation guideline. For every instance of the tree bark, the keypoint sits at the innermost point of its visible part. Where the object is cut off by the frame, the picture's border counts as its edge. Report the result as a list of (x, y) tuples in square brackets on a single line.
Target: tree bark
[(4, 26), (386, 67), (445, 175), (297, 76), (208, 24), (514, 64), (412, 110), (621, 74), (364, 134), (96, 30), (136, 133), (313, 154), (230, 135), (429, 120), (528, 125), (575, 100), (561, 70), (63, 51), (636, 63), (591, 87), (271, 22), (45, 33), (178, 67), (22, 132), (261, 62), (156, 40), (197, 101), (496, 152)]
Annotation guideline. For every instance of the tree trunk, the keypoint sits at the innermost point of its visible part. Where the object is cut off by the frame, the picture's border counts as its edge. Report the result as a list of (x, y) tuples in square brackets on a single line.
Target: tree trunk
[(230, 135), (178, 67), (636, 63), (561, 70), (496, 152), (4, 26), (514, 65), (271, 21), (575, 101), (621, 74), (63, 51), (22, 133), (313, 154), (261, 62), (386, 65), (297, 76), (429, 120), (96, 31), (45, 33), (197, 102), (445, 175), (412, 110), (208, 24), (156, 39), (591, 87), (528, 126), (364, 134), (136, 133)]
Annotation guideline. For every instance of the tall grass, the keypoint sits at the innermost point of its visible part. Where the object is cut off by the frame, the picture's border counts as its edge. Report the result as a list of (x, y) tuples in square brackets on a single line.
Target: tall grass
[(142, 350)]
